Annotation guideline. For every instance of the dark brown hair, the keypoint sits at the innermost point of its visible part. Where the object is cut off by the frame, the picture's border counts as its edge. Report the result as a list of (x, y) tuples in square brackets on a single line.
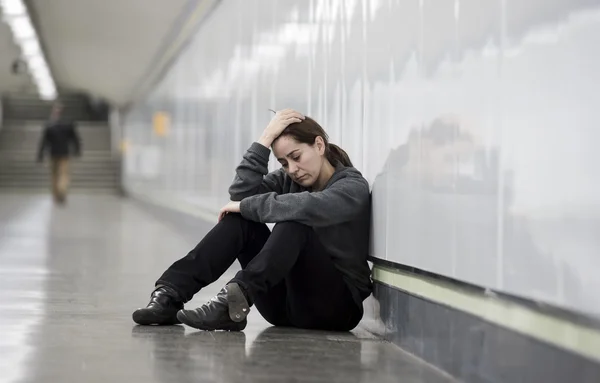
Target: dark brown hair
[(307, 131)]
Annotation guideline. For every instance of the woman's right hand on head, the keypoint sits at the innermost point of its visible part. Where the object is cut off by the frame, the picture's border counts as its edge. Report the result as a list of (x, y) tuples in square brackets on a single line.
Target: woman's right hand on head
[(279, 122)]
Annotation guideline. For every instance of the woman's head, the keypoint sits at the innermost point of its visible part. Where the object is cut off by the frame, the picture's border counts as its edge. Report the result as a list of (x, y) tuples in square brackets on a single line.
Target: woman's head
[(303, 150)]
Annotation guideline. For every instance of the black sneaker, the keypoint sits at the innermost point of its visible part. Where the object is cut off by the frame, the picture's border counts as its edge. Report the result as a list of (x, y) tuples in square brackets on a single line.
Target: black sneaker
[(162, 309), (226, 311)]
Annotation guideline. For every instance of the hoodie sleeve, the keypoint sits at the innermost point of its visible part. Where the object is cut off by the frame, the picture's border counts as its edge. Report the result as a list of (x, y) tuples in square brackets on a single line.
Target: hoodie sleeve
[(343, 201), (252, 176)]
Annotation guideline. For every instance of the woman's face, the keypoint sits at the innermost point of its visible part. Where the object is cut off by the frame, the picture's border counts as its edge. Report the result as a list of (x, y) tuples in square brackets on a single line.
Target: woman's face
[(302, 162)]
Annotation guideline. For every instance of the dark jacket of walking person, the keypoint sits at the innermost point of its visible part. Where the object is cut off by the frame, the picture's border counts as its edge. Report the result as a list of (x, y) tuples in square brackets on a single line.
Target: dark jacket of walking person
[(310, 271), (61, 140)]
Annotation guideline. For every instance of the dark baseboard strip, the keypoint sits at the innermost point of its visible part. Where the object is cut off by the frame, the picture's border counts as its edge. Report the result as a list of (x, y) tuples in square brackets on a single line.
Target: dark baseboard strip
[(473, 349), (541, 307)]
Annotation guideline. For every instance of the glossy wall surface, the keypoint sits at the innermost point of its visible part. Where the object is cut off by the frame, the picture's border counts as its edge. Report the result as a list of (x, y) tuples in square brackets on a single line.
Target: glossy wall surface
[(474, 121)]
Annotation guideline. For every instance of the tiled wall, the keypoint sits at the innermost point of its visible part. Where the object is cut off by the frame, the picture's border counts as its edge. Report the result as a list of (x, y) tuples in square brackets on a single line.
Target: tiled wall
[(475, 121)]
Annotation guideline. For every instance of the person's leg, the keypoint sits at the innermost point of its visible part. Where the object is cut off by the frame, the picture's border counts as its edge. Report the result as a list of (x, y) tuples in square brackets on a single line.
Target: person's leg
[(272, 304), (273, 266), (63, 178), (317, 295), (232, 237), (54, 178)]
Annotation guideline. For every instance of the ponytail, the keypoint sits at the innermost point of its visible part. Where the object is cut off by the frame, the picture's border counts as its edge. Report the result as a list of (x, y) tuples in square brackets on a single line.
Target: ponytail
[(307, 131), (336, 154)]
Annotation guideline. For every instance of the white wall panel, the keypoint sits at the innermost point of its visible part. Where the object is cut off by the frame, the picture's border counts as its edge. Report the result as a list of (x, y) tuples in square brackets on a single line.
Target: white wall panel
[(474, 121)]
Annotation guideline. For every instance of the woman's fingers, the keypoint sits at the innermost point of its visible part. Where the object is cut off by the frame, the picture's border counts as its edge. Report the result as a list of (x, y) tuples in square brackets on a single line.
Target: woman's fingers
[(222, 214), (278, 123), (292, 119), (290, 113), (286, 111), (297, 116)]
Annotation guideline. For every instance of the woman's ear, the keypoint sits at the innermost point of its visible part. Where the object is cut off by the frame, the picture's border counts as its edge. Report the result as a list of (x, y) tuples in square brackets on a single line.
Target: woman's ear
[(320, 145)]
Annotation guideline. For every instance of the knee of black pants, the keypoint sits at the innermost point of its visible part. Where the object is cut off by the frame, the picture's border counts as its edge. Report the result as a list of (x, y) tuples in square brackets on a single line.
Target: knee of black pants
[(232, 217), (293, 229), (292, 225), (236, 218), (251, 228)]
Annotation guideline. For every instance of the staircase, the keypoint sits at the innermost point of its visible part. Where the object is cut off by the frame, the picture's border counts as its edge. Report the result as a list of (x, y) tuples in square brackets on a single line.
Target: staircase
[(29, 107), (96, 171)]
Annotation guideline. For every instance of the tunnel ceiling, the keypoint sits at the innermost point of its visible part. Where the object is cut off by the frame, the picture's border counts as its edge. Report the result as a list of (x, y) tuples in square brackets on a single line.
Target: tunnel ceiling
[(10, 82), (104, 48)]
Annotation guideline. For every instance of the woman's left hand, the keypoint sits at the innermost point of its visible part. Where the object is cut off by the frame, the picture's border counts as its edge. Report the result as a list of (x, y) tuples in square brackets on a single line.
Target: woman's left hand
[(231, 207)]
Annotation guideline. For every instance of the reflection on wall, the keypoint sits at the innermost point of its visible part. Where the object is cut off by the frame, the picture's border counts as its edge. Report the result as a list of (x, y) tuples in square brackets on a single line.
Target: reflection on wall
[(474, 122)]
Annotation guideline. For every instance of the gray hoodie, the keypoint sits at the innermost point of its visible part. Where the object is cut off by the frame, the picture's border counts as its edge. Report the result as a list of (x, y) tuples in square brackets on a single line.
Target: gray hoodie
[(339, 214)]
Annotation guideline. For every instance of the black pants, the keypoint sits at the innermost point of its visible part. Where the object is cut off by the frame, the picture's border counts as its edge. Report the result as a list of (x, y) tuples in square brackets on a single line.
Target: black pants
[(287, 273)]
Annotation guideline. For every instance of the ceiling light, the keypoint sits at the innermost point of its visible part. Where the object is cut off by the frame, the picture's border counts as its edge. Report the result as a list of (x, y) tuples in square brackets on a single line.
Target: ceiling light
[(12, 8), (46, 85), (21, 28), (15, 14), (35, 62), (48, 95), (42, 77), (30, 47)]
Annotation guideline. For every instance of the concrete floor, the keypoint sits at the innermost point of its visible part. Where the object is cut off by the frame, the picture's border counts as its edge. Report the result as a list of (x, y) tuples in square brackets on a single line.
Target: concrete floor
[(72, 277)]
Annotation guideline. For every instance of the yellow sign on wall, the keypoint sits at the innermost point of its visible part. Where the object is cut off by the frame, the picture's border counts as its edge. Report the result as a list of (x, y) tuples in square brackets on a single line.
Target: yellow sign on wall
[(160, 123), (125, 145)]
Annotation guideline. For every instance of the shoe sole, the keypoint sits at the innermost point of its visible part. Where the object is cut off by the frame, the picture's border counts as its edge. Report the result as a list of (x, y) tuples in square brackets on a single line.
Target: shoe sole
[(238, 305), (150, 318)]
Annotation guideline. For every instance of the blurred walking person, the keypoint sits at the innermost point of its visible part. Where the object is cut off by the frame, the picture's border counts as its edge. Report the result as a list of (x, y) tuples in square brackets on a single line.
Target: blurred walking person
[(61, 140)]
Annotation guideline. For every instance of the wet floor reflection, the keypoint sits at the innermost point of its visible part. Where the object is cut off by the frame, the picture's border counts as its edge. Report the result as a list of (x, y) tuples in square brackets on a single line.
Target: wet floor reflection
[(277, 355)]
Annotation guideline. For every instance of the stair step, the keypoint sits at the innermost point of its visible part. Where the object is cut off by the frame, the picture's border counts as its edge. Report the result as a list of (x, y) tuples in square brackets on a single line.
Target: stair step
[(27, 159), (76, 106), (48, 185), (80, 175), (45, 180), (45, 190), (44, 177), (24, 166), (97, 169), (33, 176)]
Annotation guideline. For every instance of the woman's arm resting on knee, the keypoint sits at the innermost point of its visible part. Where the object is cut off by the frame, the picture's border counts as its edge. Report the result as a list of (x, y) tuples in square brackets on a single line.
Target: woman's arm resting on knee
[(343, 201)]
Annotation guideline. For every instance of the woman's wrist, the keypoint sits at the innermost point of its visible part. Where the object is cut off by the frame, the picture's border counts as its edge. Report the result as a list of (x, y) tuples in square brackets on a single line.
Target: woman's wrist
[(265, 140)]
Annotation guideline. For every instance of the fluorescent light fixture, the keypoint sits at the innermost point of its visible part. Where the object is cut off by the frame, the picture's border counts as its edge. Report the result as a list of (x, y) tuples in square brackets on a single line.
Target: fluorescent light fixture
[(21, 28), (35, 62), (15, 15), (47, 96), (31, 47), (46, 86), (12, 8), (42, 77), (46, 89)]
